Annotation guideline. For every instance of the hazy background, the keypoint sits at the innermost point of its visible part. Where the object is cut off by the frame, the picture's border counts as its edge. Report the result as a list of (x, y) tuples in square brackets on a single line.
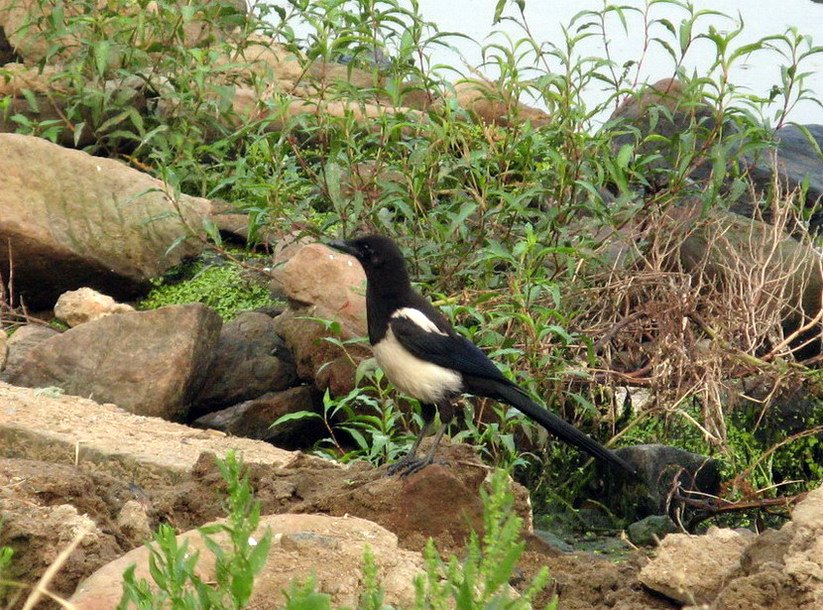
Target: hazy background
[(756, 74)]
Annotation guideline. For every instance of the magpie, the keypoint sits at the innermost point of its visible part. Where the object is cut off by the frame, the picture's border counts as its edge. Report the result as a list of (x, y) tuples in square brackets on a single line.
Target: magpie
[(424, 357)]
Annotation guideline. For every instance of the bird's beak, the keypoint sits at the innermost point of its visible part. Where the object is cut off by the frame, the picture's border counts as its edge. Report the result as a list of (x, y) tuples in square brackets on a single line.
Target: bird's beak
[(343, 246)]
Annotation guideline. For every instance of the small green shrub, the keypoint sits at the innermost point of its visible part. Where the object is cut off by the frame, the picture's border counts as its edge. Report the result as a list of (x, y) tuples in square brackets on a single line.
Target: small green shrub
[(172, 566), (481, 579), (367, 424)]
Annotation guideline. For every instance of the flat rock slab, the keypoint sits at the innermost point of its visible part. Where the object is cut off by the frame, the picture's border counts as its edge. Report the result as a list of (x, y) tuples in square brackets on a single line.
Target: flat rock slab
[(145, 450)]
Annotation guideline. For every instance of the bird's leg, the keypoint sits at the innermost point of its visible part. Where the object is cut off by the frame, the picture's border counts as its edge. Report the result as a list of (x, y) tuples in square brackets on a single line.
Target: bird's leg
[(428, 411), (410, 463)]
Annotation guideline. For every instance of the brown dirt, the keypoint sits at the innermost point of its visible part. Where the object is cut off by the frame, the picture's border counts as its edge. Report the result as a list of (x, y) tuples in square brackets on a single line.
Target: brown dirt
[(439, 502)]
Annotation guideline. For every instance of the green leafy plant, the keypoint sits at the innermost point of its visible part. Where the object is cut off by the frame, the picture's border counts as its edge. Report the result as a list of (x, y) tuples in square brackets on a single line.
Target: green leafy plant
[(481, 580), (366, 424), (173, 566)]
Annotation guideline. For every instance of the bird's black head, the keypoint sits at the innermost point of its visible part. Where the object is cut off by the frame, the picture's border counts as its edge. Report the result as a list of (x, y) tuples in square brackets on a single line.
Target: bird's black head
[(375, 253)]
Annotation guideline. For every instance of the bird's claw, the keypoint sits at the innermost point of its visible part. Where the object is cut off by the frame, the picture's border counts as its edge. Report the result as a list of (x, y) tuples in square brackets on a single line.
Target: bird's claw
[(405, 467)]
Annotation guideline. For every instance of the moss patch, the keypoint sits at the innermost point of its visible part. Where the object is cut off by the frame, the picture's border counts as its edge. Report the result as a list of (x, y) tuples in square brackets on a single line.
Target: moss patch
[(226, 287)]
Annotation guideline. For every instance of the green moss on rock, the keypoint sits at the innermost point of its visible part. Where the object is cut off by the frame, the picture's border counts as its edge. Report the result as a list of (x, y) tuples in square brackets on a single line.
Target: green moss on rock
[(226, 287)]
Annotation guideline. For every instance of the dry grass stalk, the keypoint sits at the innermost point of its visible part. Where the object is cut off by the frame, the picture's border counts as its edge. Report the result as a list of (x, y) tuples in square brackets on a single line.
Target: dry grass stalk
[(708, 300), (41, 588)]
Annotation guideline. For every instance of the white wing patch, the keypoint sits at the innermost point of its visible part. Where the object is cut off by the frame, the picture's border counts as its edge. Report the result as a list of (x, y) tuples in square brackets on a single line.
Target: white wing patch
[(419, 318)]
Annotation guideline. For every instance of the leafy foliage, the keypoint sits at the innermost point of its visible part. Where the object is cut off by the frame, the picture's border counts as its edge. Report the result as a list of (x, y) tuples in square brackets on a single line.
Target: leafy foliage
[(510, 224), (481, 580), (172, 566)]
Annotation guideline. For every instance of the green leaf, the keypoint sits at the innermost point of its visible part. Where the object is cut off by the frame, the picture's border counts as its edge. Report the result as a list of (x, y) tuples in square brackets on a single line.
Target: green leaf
[(624, 155), (101, 56), (295, 417), (260, 553), (498, 11), (357, 436), (31, 99)]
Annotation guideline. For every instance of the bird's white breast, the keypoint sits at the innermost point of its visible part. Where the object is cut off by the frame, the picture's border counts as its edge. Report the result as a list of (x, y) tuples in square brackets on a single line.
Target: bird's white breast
[(428, 382)]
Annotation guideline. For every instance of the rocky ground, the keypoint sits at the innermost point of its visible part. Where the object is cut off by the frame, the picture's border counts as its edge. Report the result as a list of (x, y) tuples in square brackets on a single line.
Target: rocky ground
[(105, 475), (114, 471), (71, 465)]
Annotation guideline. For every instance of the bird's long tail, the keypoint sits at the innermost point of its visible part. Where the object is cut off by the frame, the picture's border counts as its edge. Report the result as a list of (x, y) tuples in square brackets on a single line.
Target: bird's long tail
[(558, 426)]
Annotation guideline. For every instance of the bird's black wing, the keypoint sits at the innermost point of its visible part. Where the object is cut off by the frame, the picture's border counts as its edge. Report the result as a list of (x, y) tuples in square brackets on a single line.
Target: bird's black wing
[(449, 350), (482, 378)]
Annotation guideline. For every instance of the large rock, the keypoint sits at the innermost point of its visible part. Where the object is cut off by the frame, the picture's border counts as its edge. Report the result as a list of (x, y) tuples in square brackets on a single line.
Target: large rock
[(731, 569), (438, 502), (21, 342), (323, 356), (74, 220), (782, 569), (150, 363), (326, 290), (334, 282), (253, 418), (693, 569), (328, 548), (250, 360), (661, 468)]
